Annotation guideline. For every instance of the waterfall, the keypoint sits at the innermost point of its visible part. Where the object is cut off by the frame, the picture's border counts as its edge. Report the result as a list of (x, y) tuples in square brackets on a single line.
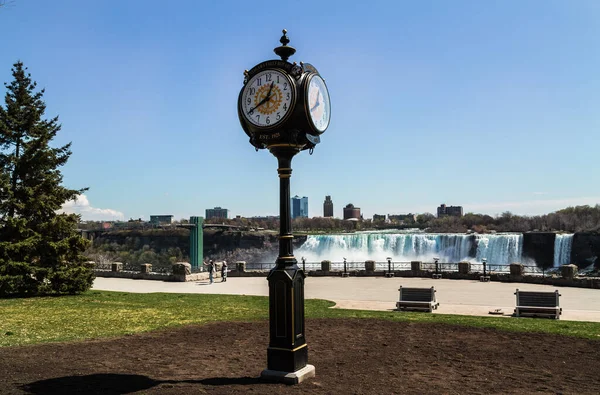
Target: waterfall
[(502, 249), (562, 249), (402, 247)]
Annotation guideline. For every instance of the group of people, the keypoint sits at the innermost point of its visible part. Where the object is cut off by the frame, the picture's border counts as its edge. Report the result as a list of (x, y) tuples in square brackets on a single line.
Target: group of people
[(212, 270)]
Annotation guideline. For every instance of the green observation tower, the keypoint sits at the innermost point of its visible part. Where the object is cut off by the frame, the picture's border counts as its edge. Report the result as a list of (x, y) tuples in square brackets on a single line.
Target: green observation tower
[(196, 242)]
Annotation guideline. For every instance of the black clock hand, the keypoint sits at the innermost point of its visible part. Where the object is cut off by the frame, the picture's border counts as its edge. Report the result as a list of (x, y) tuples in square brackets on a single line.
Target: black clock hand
[(263, 101), (316, 104), (270, 89)]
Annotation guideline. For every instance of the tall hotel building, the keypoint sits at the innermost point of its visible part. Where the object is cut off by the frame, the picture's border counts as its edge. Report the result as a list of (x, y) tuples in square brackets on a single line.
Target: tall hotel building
[(328, 207)]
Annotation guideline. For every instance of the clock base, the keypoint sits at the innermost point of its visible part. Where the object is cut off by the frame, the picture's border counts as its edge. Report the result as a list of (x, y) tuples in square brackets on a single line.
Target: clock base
[(289, 377)]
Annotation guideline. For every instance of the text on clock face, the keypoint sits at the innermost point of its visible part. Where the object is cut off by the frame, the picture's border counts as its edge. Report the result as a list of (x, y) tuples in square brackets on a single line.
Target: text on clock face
[(267, 98)]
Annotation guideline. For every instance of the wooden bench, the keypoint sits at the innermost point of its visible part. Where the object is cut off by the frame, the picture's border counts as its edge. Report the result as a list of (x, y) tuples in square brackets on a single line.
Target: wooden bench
[(422, 299), (537, 304)]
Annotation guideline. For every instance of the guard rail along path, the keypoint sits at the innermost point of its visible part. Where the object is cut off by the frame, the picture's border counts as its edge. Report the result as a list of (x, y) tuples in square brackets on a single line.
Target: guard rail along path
[(417, 299), (538, 304)]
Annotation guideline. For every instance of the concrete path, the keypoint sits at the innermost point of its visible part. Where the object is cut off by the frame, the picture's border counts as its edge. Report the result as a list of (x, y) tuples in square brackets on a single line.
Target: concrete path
[(463, 297)]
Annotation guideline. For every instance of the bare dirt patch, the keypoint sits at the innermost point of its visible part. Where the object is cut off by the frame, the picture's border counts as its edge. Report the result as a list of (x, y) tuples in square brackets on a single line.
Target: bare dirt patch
[(351, 356)]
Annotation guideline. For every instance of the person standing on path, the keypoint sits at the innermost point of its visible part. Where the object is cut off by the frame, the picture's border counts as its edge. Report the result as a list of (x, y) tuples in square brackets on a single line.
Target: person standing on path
[(211, 270), (224, 271)]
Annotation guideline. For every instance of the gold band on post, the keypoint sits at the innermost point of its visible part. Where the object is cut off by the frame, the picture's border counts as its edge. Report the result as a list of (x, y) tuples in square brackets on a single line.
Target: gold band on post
[(286, 349)]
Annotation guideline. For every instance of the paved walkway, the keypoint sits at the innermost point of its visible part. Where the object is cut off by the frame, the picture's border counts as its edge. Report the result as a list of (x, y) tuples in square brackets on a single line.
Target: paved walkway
[(463, 297)]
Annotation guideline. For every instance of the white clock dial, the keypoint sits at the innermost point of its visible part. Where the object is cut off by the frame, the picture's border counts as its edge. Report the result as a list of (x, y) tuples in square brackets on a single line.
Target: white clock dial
[(268, 98), (319, 109)]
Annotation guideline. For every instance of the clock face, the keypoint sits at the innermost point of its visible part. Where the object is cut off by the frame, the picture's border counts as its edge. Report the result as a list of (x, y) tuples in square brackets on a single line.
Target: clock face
[(319, 109), (268, 98)]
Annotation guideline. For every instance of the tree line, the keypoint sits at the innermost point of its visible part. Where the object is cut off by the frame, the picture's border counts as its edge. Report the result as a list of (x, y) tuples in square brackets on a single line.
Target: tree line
[(571, 219)]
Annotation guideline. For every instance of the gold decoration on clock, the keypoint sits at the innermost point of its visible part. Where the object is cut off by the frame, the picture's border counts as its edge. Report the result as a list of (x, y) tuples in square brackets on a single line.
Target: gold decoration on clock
[(274, 94)]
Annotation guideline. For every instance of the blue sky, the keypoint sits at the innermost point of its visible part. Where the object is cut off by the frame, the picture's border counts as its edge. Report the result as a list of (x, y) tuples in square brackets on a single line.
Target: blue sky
[(489, 105)]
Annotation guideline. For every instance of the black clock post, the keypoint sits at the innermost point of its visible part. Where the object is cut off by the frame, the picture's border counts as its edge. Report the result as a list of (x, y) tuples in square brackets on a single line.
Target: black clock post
[(287, 351), (284, 107)]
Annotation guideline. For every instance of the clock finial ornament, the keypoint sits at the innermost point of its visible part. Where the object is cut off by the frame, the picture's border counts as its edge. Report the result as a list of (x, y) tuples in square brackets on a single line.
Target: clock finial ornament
[(284, 51), (284, 40)]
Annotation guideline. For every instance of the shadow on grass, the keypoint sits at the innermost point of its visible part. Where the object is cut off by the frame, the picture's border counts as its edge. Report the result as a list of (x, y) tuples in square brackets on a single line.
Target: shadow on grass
[(114, 384)]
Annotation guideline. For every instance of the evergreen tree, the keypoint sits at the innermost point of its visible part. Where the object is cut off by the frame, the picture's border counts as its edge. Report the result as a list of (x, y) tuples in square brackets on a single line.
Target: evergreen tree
[(40, 250)]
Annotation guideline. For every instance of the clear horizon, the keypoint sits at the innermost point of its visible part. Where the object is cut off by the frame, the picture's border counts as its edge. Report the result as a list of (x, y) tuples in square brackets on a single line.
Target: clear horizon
[(489, 106)]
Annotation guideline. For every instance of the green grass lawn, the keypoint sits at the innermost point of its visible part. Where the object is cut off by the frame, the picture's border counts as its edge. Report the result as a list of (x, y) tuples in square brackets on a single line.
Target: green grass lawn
[(98, 314)]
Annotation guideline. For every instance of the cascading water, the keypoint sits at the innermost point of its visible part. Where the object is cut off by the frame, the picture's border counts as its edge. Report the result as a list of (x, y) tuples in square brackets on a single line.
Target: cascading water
[(499, 249), (562, 249), (502, 249)]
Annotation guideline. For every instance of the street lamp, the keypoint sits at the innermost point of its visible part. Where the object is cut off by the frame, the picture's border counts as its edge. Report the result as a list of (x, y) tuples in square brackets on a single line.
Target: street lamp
[(284, 107), (345, 274), (389, 273), (485, 277), (304, 264)]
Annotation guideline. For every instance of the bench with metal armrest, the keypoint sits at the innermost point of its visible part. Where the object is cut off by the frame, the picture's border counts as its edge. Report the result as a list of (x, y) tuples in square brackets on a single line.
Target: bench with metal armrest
[(538, 304), (422, 299)]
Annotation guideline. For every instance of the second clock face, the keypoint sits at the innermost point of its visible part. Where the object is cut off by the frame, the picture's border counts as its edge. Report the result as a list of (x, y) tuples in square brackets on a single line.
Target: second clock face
[(268, 98), (318, 103)]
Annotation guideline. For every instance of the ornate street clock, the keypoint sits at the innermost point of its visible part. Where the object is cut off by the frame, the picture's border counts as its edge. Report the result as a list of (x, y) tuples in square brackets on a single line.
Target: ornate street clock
[(268, 99), (283, 102), (285, 108)]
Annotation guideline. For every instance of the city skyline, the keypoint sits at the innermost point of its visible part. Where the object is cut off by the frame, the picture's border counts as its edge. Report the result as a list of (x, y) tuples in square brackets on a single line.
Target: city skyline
[(490, 106), (82, 206)]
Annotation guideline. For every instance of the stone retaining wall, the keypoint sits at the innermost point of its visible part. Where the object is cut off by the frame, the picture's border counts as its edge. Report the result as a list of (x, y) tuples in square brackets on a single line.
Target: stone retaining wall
[(155, 276)]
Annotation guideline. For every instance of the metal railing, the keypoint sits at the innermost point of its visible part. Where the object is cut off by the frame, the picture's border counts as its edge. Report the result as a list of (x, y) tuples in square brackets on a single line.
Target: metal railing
[(399, 266), (505, 269), (351, 266), (335, 266)]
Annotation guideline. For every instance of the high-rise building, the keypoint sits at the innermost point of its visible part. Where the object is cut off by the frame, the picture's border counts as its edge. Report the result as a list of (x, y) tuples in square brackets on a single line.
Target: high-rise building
[(454, 211), (304, 207), (299, 207), (351, 212), (295, 207), (216, 212), (328, 207)]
